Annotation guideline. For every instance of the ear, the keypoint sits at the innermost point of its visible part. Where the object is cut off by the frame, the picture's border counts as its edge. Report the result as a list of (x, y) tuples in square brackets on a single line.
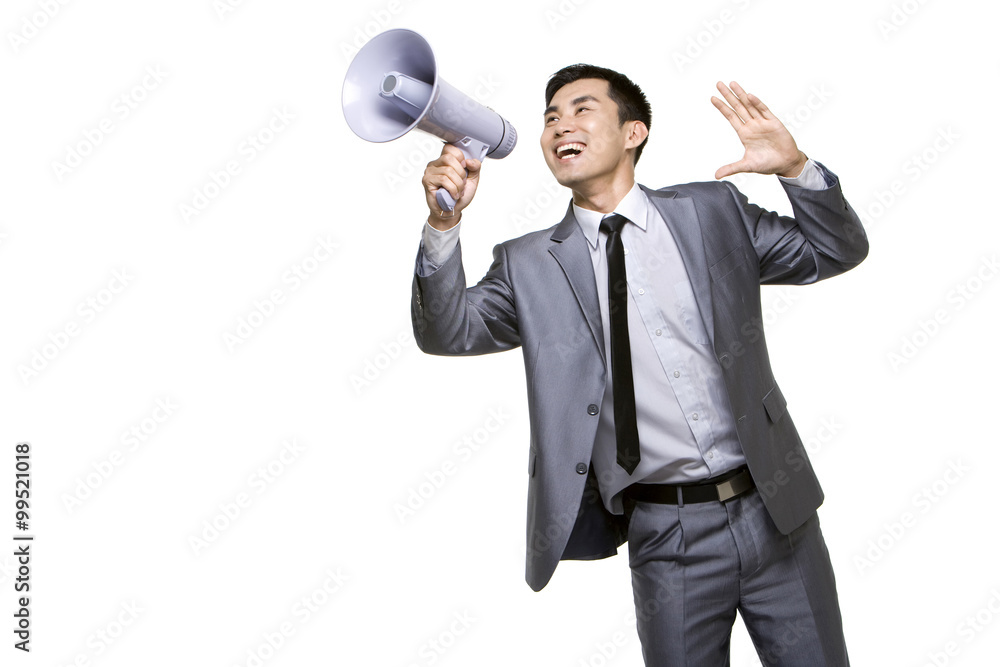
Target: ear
[(637, 133)]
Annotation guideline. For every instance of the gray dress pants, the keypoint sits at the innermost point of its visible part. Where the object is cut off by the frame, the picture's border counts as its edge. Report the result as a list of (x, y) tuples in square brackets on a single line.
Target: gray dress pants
[(694, 566)]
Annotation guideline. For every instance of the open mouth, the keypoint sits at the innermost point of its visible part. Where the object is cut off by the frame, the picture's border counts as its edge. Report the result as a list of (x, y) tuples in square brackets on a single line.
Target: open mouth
[(569, 151)]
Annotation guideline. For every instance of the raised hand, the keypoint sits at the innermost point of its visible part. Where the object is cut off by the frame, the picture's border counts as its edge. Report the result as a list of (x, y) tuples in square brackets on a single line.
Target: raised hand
[(769, 146)]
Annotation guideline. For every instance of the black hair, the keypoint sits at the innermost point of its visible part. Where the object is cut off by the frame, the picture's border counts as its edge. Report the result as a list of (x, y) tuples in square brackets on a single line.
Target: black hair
[(631, 101)]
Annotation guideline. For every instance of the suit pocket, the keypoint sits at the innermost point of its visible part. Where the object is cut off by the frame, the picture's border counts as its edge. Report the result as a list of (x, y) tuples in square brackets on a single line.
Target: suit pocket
[(727, 264), (531, 463), (774, 403)]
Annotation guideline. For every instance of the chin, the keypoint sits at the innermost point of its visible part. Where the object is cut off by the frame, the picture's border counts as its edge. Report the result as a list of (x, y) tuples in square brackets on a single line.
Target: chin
[(565, 177), (566, 180)]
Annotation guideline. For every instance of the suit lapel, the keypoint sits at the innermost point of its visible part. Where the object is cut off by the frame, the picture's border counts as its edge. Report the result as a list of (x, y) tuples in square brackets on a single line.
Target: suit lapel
[(572, 252), (570, 249), (682, 220)]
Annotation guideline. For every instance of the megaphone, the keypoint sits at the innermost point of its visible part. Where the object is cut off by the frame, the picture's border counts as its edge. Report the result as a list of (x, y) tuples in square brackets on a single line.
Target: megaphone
[(392, 87)]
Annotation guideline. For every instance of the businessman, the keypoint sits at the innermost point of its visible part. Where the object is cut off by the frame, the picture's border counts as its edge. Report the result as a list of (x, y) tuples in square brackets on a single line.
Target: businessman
[(654, 414)]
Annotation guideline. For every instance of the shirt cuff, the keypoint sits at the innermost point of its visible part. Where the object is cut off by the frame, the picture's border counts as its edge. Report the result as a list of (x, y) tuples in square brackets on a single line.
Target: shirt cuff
[(811, 178), (438, 246)]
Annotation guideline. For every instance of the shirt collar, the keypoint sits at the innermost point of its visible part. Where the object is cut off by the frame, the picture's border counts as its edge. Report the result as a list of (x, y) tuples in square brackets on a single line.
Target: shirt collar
[(632, 206)]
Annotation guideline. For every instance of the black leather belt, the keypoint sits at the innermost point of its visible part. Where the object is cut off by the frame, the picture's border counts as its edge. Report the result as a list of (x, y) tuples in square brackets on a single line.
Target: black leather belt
[(721, 488)]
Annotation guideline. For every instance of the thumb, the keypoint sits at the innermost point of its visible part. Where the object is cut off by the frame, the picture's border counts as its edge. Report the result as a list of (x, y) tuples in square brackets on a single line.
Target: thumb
[(731, 168)]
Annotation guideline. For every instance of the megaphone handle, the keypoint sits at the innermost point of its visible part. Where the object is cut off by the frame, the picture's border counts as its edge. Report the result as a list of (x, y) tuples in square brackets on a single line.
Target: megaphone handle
[(472, 149), (445, 200)]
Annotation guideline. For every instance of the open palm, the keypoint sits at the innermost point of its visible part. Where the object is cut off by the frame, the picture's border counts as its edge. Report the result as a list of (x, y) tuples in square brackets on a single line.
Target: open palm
[(770, 148)]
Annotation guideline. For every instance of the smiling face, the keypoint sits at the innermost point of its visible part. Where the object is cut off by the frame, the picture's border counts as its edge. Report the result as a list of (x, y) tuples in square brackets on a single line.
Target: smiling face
[(585, 146)]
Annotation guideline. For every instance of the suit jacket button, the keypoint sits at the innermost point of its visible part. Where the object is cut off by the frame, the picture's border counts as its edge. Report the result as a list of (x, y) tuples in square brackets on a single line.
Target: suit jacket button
[(581, 468), (591, 410)]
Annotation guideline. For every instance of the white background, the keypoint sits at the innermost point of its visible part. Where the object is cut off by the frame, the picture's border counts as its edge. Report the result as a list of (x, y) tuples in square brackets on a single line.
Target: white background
[(867, 86)]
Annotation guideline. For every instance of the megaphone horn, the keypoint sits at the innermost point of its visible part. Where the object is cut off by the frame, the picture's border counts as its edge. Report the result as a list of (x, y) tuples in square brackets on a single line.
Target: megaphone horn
[(392, 87)]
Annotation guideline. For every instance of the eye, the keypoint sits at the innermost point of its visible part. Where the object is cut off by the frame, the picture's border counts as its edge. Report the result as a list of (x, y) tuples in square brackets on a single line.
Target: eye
[(583, 109), (550, 119)]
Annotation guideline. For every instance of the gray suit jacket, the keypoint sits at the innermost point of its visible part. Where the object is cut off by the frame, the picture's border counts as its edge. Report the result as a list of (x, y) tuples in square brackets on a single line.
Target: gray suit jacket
[(540, 294)]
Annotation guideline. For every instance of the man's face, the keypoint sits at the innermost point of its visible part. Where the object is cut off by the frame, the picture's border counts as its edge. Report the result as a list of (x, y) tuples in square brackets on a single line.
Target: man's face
[(582, 140)]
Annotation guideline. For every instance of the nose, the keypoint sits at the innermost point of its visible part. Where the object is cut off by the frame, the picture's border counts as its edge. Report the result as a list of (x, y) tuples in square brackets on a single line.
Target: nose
[(563, 126)]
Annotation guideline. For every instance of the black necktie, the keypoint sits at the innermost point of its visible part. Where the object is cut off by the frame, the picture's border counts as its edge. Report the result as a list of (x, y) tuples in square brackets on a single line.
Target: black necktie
[(626, 432)]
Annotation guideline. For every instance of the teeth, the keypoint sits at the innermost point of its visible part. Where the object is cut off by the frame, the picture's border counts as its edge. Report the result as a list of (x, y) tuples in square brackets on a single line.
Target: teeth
[(569, 150)]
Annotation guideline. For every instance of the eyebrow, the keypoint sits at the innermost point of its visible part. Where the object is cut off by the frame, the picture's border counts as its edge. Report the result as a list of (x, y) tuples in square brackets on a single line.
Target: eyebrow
[(582, 98)]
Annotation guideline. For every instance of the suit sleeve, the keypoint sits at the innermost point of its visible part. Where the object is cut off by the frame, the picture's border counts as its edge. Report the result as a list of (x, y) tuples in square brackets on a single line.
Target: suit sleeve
[(450, 319), (823, 238)]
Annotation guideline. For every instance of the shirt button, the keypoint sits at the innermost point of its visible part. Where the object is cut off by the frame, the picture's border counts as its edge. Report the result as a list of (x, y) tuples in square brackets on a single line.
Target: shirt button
[(642, 291), (711, 455), (581, 468), (695, 416), (659, 332), (677, 374), (626, 251), (591, 409)]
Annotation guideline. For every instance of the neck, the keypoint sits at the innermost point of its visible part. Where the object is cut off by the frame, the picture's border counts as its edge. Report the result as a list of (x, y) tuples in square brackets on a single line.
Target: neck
[(604, 196)]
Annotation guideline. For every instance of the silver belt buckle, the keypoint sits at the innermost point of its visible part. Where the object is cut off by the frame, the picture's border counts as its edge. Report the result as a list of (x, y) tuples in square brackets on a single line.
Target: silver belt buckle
[(733, 486)]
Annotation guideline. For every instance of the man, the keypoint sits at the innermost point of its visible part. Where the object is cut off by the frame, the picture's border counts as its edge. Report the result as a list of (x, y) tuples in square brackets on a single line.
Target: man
[(654, 413)]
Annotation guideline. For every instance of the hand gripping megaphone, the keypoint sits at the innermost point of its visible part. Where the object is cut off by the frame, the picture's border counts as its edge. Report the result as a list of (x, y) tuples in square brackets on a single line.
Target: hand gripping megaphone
[(392, 87)]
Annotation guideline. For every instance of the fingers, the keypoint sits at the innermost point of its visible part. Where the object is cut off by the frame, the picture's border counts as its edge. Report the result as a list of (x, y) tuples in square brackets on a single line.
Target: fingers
[(760, 107), (447, 171), (451, 149), (744, 99), (452, 172), (734, 101), (745, 105), (730, 115), (472, 165), (454, 157)]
